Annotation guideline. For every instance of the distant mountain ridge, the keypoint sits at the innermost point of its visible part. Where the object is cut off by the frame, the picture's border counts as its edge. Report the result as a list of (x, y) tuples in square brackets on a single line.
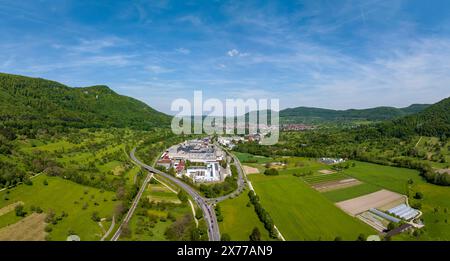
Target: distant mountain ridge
[(318, 115), (32, 102)]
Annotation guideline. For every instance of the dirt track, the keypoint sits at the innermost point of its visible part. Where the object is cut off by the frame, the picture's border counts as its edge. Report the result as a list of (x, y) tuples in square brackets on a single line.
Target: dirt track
[(250, 170)]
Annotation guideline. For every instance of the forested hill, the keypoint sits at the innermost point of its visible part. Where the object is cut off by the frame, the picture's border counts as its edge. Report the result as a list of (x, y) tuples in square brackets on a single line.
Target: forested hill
[(317, 115), (33, 103), (433, 121)]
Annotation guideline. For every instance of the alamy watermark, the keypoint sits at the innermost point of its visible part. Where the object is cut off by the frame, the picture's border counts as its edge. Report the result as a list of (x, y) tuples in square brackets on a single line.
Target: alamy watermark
[(237, 116)]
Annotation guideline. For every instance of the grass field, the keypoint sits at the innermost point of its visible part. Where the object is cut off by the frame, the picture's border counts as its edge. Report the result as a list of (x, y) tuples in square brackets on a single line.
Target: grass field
[(8, 219), (62, 195), (292, 165), (351, 192), (244, 157), (324, 178), (240, 219), (392, 178), (301, 213)]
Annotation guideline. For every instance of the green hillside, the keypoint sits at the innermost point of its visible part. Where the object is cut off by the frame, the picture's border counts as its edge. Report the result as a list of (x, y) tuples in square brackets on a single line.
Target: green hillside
[(433, 121), (316, 115), (34, 102)]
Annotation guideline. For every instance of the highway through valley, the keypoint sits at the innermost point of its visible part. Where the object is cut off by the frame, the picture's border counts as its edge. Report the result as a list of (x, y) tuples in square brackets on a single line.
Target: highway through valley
[(205, 204)]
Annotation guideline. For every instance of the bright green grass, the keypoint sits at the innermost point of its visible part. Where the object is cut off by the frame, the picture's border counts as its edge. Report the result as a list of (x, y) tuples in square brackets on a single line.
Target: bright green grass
[(110, 166), (243, 157), (436, 210), (60, 195), (130, 175), (301, 213), (392, 178), (239, 220), (351, 192), (325, 178), (51, 147), (9, 219)]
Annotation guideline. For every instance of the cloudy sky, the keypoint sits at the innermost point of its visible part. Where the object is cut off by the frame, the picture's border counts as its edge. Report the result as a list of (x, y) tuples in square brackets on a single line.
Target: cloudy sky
[(330, 54)]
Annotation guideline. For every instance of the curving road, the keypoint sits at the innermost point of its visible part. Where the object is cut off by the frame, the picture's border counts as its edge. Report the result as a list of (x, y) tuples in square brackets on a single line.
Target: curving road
[(241, 180), (208, 210)]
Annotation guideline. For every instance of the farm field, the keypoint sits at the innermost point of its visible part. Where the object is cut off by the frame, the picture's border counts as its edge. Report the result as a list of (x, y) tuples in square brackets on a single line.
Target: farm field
[(240, 219), (324, 178), (30, 228), (352, 192), (434, 205), (77, 201), (301, 213)]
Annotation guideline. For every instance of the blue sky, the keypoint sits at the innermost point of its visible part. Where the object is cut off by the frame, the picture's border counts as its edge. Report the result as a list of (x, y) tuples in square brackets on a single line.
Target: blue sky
[(331, 54)]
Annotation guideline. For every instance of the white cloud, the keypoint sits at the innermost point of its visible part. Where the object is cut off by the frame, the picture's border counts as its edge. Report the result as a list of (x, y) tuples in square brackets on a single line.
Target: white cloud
[(234, 52), (183, 50), (96, 45), (156, 69)]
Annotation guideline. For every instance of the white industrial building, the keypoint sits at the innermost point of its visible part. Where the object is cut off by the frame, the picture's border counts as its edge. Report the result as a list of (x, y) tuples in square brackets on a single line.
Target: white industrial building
[(209, 173), (229, 142), (195, 151)]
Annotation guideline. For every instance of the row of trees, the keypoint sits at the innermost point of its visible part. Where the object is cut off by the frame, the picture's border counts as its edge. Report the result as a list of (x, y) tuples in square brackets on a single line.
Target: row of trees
[(263, 215)]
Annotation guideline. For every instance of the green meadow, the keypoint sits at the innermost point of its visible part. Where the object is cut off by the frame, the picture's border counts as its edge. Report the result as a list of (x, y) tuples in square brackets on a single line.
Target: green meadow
[(240, 219), (79, 202), (301, 213), (392, 178)]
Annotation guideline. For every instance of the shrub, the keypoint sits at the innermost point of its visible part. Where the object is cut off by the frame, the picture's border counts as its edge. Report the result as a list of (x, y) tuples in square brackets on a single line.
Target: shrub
[(271, 172), (418, 195), (20, 212)]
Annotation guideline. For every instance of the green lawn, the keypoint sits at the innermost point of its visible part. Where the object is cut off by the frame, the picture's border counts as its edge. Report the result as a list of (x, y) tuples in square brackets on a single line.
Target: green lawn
[(60, 195), (351, 192), (240, 219), (301, 213)]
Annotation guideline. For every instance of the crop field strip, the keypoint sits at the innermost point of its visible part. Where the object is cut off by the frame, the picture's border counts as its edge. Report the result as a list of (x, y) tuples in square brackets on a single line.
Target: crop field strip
[(325, 178)]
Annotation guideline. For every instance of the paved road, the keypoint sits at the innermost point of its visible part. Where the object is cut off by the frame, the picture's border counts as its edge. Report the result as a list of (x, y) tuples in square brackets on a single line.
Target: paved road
[(130, 212), (113, 223), (242, 179), (208, 210)]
